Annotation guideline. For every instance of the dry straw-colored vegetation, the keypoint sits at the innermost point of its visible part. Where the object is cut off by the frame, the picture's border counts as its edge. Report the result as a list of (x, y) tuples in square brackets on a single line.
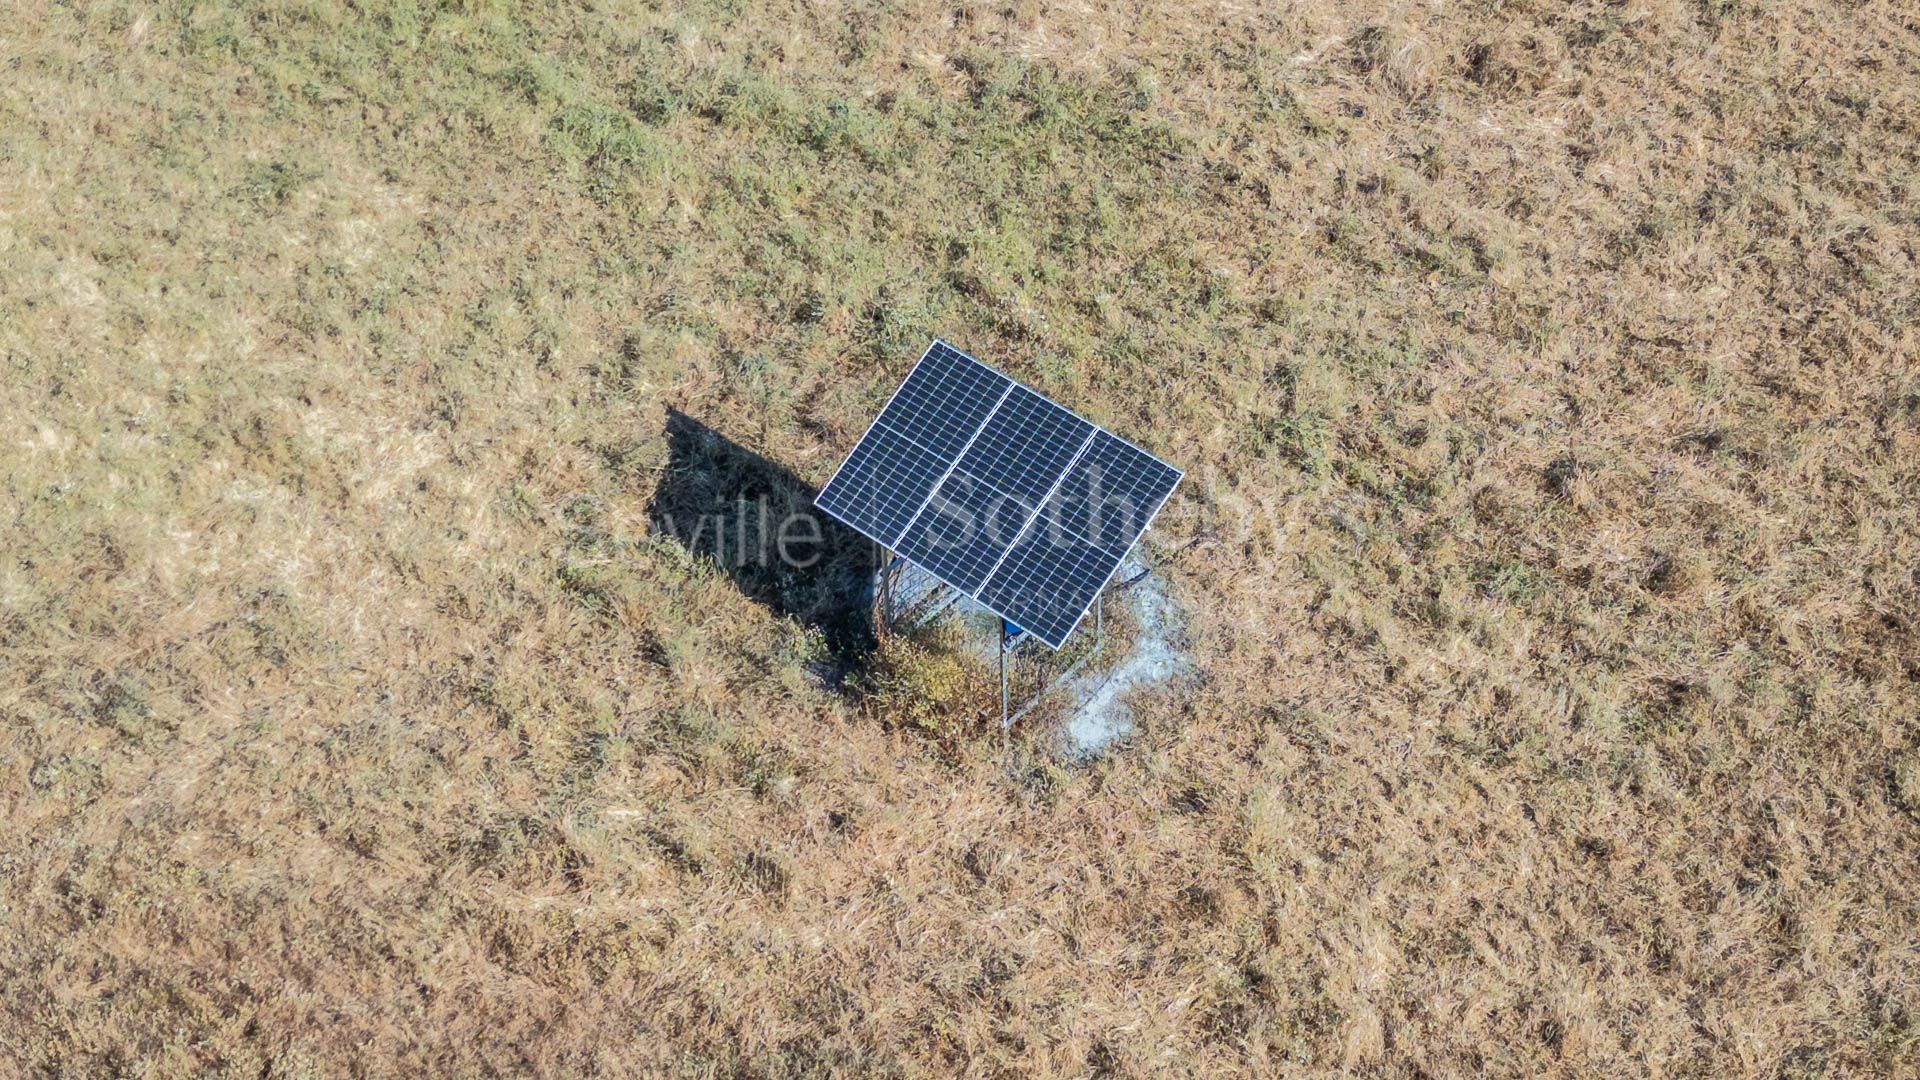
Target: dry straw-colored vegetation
[(1557, 718)]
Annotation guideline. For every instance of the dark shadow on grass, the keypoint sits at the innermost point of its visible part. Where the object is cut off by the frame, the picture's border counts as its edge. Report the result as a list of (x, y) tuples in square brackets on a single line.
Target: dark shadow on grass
[(755, 520)]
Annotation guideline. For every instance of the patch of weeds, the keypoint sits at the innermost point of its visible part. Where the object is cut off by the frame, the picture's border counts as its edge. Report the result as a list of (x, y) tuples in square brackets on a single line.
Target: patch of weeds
[(1288, 107), (928, 681), (764, 874), (270, 633), (658, 99), (1086, 223), (1192, 800), (1042, 779), (805, 647), (748, 102), (1681, 574), (1667, 707), (1349, 240), (897, 327), (273, 185), (124, 704), (769, 191), (1558, 478), (1303, 438), (76, 778), (609, 143), (810, 309), (586, 585), (502, 841), (1905, 784), (765, 771), (1445, 255), (541, 81), (840, 128), (1509, 580), (1715, 12)]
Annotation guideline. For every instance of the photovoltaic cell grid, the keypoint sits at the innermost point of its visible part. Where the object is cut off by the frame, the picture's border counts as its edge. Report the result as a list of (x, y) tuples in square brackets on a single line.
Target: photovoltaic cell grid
[(906, 452), (1104, 497), (995, 488), (964, 530), (1069, 550), (1025, 447), (999, 492)]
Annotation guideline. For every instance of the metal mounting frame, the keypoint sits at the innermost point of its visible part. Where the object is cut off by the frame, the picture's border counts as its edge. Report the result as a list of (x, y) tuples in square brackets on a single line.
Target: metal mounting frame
[(893, 611), (1009, 642)]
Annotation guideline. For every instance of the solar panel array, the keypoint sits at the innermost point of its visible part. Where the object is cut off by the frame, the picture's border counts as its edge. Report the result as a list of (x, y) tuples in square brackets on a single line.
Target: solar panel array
[(999, 492)]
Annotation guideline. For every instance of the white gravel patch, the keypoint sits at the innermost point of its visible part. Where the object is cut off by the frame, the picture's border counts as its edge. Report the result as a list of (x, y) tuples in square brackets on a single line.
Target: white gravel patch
[(1102, 717)]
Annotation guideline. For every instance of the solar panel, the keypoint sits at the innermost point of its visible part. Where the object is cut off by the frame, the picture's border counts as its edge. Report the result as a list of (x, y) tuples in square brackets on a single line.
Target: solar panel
[(1069, 550), (907, 450), (997, 491)]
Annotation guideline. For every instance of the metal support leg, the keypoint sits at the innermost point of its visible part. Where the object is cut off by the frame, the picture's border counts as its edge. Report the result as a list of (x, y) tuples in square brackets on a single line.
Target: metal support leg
[(1006, 721), (1093, 650)]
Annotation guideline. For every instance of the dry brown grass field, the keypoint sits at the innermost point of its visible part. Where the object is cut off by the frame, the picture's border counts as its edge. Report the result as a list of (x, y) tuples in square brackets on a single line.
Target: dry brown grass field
[(1546, 378)]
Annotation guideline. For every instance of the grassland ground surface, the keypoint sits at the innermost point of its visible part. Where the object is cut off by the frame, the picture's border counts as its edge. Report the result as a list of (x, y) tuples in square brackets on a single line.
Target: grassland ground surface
[(1545, 374)]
